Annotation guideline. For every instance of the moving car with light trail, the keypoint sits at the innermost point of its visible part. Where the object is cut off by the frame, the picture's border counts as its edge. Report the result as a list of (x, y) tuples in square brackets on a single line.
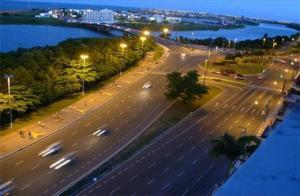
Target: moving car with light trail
[(53, 148), (147, 85), (65, 160), (6, 188), (102, 131)]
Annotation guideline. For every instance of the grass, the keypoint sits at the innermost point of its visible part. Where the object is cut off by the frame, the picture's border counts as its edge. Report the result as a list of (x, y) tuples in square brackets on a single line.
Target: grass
[(247, 68), (173, 115), (158, 52)]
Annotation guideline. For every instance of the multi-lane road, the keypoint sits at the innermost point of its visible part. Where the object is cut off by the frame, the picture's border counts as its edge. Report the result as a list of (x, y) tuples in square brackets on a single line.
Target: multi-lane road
[(127, 115), (178, 163)]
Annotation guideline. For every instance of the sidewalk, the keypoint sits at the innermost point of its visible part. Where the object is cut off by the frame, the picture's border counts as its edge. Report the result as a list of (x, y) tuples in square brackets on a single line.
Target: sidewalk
[(15, 141)]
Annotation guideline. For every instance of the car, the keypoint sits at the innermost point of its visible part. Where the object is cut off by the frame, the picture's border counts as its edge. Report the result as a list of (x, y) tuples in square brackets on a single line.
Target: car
[(53, 148), (216, 72), (65, 160), (6, 188), (239, 77), (147, 85), (260, 77), (102, 131)]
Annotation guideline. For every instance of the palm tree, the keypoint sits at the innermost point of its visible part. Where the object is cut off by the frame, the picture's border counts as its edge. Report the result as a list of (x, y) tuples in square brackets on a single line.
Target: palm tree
[(234, 148)]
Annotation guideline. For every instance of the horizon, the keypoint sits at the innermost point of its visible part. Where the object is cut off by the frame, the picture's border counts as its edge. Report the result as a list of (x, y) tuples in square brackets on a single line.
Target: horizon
[(268, 9)]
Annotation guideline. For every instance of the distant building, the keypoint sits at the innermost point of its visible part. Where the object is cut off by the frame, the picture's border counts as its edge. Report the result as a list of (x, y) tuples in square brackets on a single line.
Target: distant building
[(173, 20), (158, 18), (99, 16)]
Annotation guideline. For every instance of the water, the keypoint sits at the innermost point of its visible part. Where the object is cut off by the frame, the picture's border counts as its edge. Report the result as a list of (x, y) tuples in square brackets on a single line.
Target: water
[(27, 36), (249, 32), (282, 10)]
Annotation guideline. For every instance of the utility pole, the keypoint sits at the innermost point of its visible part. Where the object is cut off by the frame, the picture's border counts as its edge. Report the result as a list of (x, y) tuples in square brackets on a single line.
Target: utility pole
[(9, 99)]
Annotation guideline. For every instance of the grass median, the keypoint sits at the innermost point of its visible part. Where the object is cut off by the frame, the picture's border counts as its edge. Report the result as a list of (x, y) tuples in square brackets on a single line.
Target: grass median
[(172, 116)]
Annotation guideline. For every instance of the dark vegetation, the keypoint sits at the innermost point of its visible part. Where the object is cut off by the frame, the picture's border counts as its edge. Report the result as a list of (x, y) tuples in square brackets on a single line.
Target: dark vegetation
[(43, 75)]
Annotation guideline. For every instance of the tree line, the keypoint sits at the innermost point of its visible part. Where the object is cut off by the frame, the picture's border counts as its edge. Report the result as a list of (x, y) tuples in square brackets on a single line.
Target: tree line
[(265, 42), (42, 75)]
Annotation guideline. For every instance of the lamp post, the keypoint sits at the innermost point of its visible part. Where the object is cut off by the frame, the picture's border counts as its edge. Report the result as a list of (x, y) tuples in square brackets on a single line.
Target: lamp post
[(143, 39), (264, 41), (9, 99), (165, 30), (205, 72), (235, 40), (146, 33), (123, 46), (83, 57)]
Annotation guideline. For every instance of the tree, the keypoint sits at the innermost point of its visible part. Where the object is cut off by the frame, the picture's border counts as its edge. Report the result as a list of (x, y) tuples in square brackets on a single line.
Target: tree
[(3, 104), (234, 148), (22, 98), (186, 88)]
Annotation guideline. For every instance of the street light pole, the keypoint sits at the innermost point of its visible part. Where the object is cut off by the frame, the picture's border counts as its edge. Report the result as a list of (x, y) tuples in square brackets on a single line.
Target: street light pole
[(9, 99), (204, 78), (83, 57)]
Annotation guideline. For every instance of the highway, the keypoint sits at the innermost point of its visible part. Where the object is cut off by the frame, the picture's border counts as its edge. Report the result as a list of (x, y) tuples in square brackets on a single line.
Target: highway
[(179, 163), (127, 115)]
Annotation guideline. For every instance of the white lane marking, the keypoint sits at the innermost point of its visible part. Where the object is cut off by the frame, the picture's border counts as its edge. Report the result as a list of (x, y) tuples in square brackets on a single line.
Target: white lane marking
[(206, 151), (193, 148), (74, 132), (114, 190), (167, 169), (185, 192), (210, 166), (150, 166), (18, 163), (134, 177), (166, 155), (181, 173), (190, 137), (180, 158), (25, 187), (75, 144), (35, 167), (87, 124), (195, 161), (151, 181), (199, 178), (166, 186)]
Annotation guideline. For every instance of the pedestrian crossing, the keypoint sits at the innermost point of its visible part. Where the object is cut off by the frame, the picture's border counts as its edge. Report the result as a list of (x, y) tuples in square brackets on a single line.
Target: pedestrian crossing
[(244, 110), (266, 88)]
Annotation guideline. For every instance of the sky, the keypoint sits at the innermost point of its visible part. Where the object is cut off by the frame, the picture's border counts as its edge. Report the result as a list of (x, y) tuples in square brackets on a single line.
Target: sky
[(283, 10)]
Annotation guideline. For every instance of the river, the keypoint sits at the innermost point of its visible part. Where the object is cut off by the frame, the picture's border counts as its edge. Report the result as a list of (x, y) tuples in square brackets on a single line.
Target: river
[(249, 32), (13, 37)]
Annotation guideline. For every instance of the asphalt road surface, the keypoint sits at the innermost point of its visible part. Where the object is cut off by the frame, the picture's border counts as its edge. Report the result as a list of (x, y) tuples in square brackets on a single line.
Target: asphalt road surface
[(178, 163), (127, 115)]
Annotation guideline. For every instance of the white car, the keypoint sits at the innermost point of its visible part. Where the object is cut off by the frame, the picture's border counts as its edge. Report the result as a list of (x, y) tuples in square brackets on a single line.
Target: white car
[(53, 148), (66, 159), (183, 55), (6, 188), (101, 131), (147, 85)]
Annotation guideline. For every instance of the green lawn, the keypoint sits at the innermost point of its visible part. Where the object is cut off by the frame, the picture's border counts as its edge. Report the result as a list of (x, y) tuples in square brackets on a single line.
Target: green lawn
[(173, 115), (241, 68)]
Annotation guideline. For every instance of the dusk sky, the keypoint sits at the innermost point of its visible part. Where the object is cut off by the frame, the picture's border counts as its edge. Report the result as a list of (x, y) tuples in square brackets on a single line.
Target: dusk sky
[(269, 9)]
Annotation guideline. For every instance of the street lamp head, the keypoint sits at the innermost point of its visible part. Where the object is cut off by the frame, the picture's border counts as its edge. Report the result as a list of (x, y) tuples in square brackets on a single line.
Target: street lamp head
[(286, 70), (123, 45), (275, 82), (146, 33), (256, 102), (8, 75), (142, 38), (84, 56), (166, 30)]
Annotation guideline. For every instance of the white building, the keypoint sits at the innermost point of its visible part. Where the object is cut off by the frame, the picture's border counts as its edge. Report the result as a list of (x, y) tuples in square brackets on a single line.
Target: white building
[(173, 20), (99, 16), (159, 18)]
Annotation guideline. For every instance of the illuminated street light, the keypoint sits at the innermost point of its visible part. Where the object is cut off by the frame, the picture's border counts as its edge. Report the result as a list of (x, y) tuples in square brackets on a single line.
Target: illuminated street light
[(275, 83), (281, 76), (83, 57), (143, 39), (146, 33), (165, 30), (256, 102), (286, 70), (9, 99), (264, 41), (123, 46)]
